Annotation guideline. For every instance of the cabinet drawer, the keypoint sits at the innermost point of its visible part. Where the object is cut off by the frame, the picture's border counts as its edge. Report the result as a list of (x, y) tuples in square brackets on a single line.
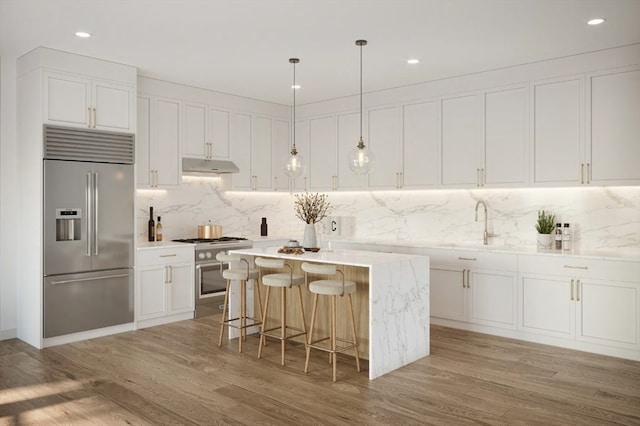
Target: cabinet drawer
[(473, 259), (580, 267), (164, 256)]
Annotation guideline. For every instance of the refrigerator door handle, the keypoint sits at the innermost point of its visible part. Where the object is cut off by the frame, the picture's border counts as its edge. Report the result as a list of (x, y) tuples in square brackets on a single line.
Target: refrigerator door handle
[(95, 213), (88, 205), (79, 280)]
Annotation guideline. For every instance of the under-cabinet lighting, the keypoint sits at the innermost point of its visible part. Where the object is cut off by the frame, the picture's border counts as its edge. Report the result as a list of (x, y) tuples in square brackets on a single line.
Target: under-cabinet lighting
[(83, 34), (595, 21), (296, 86), (413, 61)]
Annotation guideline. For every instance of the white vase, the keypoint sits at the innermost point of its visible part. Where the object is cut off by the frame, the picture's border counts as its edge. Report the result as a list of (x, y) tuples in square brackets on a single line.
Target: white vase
[(309, 240), (545, 241)]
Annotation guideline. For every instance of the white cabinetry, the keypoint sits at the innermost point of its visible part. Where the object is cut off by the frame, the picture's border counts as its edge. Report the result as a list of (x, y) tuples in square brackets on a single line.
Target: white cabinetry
[(252, 152), (158, 143), (461, 131), (478, 288), (78, 101), (348, 137), (323, 154), (557, 135), (613, 110), (420, 145), (505, 153), (164, 290), (592, 301), (384, 142), (280, 153), (206, 132)]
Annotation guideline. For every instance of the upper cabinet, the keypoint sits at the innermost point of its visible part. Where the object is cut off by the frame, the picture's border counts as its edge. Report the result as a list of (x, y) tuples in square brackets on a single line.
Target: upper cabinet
[(348, 137), (613, 138), (205, 132), (252, 151), (420, 145), (77, 101), (384, 142), (322, 170), (280, 153), (158, 143), (557, 134), (461, 132)]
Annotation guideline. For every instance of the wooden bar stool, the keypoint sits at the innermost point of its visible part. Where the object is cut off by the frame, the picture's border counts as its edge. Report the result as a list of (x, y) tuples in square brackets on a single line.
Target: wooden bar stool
[(242, 274), (331, 288), (283, 280)]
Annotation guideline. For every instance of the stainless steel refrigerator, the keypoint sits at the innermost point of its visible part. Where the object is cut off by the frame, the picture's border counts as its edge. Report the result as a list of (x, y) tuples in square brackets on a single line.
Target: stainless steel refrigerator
[(88, 230)]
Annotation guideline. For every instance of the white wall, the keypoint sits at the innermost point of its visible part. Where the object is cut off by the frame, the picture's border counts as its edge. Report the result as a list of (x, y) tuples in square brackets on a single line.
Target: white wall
[(602, 218), (8, 197)]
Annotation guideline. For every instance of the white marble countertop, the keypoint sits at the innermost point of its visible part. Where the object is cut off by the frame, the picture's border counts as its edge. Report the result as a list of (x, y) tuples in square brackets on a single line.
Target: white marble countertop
[(145, 245), (337, 256)]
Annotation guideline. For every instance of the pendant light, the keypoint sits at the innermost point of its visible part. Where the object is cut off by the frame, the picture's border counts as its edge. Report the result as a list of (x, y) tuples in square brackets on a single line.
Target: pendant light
[(294, 167), (360, 159)]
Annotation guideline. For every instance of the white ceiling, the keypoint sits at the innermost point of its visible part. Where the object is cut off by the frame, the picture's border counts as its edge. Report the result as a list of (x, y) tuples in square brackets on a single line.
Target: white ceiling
[(243, 46)]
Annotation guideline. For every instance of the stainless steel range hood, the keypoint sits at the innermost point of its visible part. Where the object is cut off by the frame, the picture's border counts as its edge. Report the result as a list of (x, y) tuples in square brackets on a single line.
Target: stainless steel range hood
[(198, 167)]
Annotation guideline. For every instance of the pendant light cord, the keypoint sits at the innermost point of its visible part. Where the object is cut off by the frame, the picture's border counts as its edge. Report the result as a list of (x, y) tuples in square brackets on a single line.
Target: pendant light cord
[(294, 106), (360, 91)]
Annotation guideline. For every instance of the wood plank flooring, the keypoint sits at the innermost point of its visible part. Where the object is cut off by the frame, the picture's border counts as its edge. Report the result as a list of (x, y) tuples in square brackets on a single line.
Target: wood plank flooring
[(176, 374)]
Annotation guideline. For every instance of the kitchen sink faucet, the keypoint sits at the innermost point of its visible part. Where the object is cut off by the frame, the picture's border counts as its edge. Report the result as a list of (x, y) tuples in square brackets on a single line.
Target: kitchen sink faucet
[(486, 234)]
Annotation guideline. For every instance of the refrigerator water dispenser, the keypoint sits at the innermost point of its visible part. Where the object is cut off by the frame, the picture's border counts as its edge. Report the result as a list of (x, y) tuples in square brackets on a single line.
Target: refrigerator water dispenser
[(68, 224)]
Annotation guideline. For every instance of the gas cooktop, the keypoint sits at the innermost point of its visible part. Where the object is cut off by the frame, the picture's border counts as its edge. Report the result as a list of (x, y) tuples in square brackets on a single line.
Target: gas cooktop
[(210, 240)]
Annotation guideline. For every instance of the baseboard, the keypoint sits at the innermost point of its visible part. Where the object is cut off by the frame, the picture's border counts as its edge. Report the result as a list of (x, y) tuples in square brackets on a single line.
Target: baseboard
[(163, 320), (11, 333), (85, 335)]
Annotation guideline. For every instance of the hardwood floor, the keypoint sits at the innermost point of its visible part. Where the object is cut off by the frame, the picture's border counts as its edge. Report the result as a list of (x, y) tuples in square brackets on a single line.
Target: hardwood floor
[(176, 374)]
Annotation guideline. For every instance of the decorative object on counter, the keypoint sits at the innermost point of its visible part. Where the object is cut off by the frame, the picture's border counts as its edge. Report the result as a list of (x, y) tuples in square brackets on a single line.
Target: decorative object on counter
[(294, 167), (558, 236), (263, 227), (291, 250), (360, 159), (566, 237), (545, 227), (311, 208), (159, 230), (293, 244), (151, 230)]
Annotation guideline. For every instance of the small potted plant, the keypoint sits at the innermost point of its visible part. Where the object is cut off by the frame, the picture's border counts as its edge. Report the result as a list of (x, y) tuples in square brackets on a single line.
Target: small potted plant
[(545, 226), (311, 208)]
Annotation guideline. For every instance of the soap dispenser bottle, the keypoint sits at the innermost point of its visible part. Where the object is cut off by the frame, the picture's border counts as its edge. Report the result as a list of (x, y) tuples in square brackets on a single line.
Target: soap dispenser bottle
[(263, 227)]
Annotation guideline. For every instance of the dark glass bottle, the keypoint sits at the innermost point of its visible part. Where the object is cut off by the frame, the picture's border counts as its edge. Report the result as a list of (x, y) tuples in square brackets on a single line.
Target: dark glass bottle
[(152, 226), (558, 236), (263, 227)]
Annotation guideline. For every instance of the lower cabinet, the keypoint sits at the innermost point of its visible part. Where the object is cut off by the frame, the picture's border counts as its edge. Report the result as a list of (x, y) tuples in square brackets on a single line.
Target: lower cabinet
[(465, 287), (164, 290), (584, 301)]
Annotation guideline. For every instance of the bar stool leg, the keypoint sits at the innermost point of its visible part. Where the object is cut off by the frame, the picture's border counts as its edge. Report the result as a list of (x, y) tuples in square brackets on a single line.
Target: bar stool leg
[(224, 313), (256, 285), (304, 322), (264, 322), (283, 323), (353, 332), (333, 336), (242, 314), (313, 321)]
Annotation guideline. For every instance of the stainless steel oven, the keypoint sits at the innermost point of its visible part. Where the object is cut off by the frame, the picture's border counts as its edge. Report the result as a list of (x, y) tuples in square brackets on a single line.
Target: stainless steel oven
[(210, 286)]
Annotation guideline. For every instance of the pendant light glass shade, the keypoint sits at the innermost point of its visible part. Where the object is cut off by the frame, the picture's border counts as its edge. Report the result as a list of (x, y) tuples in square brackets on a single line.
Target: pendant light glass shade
[(295, 166), (360, 159)]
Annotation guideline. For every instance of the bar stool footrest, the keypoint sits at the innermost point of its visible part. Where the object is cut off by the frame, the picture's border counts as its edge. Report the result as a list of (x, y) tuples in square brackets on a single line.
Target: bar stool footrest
[(314, 345), (279, 336), (254, 322)]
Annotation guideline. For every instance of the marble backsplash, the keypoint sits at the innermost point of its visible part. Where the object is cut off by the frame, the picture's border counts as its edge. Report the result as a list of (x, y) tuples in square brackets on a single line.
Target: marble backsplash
[(601, 218)]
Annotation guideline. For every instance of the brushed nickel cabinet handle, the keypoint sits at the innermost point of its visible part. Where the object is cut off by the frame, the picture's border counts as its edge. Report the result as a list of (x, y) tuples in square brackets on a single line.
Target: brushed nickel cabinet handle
[(571, 292), (95, 118), (467, 258), (464, 279), (582, 173), (588, 172), (89, 117), (576, 267), (168, 255), (478, 177), (483, 177), (401, 180), (578, 290)]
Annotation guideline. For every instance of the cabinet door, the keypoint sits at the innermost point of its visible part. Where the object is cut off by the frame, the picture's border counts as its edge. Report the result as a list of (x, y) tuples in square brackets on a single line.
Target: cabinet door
[(194, 139), (280, 154), (608, 313), (261, 159), (615, 128), (322, 153), (384, 142), (165, 143), (143, 141), (67, 100), (505, 138), (557, 139), (348, 137), (181, 284), (114, 106), (150, 295), (448, 296), (492, 298), (547, 305), (219, 133), (241, 152), (421, 139), (461, 130)]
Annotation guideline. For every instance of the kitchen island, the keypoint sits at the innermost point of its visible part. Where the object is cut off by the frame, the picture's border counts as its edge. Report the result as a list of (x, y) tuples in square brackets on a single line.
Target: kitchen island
[(392, 288)]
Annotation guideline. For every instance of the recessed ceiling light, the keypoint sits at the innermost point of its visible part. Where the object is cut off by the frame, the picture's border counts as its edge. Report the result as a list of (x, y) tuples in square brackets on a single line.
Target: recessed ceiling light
[(595, 21), (413, 61), (83, 34), (297, 86)]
